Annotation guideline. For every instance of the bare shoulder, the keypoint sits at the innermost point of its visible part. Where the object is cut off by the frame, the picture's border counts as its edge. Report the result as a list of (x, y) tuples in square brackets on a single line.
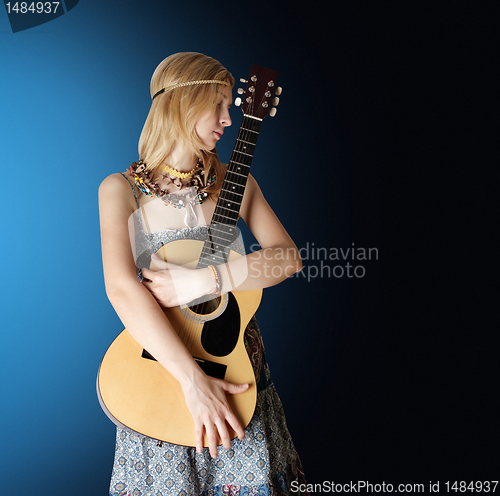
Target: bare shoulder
[(117, 190), (252, 199), (252, 184), (114, 183), (252, 189)]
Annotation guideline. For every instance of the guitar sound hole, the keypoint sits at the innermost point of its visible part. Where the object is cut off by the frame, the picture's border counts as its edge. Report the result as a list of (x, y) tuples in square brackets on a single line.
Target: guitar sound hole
[(205, 307)]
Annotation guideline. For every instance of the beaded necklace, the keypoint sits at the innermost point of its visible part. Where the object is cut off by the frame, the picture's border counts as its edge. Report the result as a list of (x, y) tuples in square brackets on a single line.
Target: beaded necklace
[(177, 200), (170, 171)]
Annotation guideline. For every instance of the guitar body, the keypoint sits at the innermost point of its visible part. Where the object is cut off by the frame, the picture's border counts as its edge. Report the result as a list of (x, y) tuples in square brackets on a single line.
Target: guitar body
[(139, 393)]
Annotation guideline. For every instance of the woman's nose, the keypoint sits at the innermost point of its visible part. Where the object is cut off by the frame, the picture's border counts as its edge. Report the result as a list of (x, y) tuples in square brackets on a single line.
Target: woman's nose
[(225, 118)]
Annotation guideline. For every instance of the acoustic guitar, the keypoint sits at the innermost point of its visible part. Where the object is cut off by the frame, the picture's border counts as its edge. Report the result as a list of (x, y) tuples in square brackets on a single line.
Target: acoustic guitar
[(137, 392)]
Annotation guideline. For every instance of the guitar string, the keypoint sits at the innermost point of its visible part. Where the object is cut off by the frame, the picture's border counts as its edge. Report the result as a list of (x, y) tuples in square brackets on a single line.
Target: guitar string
[(218, 232), (244, 136), (189, 329)]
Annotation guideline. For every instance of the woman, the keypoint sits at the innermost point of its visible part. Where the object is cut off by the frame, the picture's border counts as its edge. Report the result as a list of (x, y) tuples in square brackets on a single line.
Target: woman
[(180, 167)]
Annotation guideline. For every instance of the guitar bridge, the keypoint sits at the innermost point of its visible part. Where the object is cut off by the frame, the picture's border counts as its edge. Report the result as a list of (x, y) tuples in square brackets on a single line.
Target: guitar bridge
[(213, 369)]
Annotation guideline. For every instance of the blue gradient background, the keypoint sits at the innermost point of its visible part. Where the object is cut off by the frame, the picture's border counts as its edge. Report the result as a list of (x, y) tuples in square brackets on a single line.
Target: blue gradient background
[(340, 164)]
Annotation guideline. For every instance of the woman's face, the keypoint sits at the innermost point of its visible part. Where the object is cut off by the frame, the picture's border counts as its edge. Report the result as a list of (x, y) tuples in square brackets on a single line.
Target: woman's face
[(210, 126)]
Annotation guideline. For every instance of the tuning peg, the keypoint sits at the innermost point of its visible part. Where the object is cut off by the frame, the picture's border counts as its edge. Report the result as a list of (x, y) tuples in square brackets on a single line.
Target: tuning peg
[(273, 111), (243, 80), (276, 100), (237, 102), (241, 91), (278, 91)]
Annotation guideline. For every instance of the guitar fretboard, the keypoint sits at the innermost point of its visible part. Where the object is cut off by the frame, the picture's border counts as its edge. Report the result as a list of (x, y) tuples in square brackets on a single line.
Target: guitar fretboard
[(222, 230)]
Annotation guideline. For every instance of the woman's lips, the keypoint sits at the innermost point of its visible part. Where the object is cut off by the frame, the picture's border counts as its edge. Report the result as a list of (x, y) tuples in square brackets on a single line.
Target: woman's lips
[(218, 134)]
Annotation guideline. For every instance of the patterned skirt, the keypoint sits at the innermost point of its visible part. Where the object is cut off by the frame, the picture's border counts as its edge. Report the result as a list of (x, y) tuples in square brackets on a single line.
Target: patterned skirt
[(264, 463)]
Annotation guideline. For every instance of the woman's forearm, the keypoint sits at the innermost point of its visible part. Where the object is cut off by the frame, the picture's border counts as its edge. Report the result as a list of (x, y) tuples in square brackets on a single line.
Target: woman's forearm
[(260, 269), (149, 326)]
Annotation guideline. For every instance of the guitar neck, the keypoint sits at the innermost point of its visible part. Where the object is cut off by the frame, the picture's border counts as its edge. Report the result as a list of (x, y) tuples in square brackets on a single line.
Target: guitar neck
[(222, 231)]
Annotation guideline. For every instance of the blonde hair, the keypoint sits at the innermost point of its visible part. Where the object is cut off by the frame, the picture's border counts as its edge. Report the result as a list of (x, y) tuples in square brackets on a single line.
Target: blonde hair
[(174, 114)]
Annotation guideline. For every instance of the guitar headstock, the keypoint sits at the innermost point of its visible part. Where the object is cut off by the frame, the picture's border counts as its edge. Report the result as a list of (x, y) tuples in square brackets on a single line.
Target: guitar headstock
[(258, 96)]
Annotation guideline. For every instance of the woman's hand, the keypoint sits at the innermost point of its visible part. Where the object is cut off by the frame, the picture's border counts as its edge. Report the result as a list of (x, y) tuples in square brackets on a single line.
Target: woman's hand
[(174, 285), (205, 396), (206, 399)]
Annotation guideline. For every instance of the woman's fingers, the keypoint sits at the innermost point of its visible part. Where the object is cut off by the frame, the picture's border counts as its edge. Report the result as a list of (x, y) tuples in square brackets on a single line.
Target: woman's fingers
[(228, 417), (224, 434), (212, 439), (231, 418), (206, 398), (160, 285), (199, 430), (147, 274), (158, 262), (171, 284), (231, 388)]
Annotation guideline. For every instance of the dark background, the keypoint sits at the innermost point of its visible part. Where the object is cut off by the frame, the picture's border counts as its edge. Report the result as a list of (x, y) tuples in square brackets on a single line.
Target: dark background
[(383, 138)]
